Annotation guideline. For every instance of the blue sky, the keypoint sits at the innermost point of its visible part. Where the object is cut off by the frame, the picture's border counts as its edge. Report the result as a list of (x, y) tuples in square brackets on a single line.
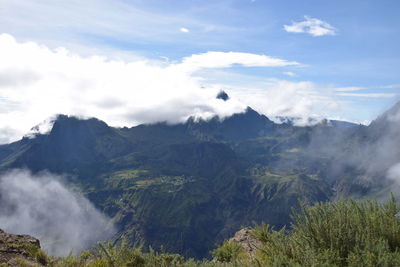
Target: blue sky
[(346, 55)]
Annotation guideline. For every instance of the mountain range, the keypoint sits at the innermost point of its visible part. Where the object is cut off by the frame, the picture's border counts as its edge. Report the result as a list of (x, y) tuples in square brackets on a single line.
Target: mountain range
[(188, 186)]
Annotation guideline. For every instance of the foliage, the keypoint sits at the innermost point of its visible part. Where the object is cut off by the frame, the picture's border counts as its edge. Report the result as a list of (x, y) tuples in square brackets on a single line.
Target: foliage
[(229, 251), (345, 233), (109, 255)]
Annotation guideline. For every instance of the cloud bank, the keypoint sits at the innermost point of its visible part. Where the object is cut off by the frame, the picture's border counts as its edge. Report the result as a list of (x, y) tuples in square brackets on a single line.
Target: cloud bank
[(40, 205), (37, 82), (312, 26)]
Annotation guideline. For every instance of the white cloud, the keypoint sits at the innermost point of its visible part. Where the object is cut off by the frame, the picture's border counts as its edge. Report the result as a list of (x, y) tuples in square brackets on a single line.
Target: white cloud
[(276, 97), (37, 82), (184, 30), (312, 26), (289, 73), (228, 59), (350, 88), (369, 95), (359, 88), (284, 98)]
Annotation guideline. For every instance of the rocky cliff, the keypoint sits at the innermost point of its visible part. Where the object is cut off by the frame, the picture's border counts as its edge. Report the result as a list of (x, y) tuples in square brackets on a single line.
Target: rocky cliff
[(17, 250)]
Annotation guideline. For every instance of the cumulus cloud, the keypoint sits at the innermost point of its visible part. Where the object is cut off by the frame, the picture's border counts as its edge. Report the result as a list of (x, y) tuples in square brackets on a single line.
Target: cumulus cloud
[(38, 82), (184, 30), (275, 97), (312, 26), (40, 205)]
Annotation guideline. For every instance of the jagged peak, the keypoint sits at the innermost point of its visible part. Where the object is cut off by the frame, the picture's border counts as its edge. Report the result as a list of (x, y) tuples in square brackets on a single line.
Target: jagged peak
[(223, 95), (247, 113)]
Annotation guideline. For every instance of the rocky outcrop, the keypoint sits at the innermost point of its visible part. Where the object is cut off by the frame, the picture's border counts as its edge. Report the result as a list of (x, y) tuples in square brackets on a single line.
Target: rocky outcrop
[(18, 249), (246, 241)]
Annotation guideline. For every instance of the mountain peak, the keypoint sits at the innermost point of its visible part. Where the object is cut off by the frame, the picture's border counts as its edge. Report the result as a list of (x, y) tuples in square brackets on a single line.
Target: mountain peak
[(223, 95)]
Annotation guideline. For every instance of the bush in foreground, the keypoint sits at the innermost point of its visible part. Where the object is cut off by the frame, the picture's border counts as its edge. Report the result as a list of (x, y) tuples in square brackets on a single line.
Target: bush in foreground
[(345, 233)]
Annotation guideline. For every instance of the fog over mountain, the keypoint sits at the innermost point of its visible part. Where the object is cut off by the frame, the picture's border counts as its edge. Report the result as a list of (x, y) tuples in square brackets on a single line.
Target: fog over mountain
[(189, 185), (37, 82), (171, 125), (40, 205)]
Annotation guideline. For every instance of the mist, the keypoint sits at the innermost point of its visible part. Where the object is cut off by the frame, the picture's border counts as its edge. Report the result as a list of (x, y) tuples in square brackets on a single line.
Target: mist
[(394, 173), (42, 206), (362, 159)]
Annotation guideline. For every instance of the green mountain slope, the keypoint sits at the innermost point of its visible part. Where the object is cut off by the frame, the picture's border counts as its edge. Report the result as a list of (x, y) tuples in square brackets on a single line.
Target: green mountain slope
[(188, 186)]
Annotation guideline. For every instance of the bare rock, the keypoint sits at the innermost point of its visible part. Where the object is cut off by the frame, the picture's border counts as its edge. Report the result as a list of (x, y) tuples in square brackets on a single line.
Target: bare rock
[(245, 239), (17, 248)]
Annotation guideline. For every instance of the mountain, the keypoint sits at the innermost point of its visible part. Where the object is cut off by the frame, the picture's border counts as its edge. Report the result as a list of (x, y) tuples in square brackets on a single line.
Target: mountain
[(188, 186)]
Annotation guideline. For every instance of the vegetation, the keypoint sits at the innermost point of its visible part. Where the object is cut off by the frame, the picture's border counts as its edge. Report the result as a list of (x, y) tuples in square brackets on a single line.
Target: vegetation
[(344, 233), (189, 185), (108, 255), (229, 251)]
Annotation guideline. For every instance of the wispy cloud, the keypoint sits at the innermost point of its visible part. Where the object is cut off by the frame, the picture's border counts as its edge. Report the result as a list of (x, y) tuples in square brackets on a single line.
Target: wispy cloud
[(289, 73), (95, 25), (369, 95), (215, 59), (350, 89), (391, 86), (312, 26), (359, 88)]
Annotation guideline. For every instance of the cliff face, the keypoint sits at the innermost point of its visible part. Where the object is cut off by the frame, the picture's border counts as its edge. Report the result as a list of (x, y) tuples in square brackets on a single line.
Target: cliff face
[(18, 249)]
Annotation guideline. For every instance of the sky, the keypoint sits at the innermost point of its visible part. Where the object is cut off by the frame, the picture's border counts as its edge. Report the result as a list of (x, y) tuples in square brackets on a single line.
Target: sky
[(142, 61)]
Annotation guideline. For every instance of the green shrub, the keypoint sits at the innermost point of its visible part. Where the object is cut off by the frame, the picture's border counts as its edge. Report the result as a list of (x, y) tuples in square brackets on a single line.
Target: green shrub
[(136, 260), (229, 251), (41, 257), (345, 233)]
